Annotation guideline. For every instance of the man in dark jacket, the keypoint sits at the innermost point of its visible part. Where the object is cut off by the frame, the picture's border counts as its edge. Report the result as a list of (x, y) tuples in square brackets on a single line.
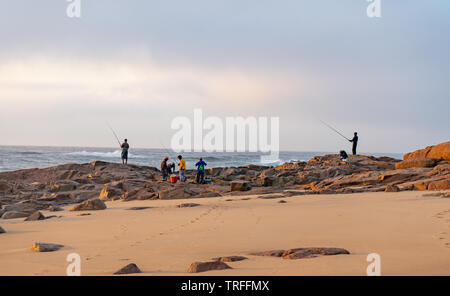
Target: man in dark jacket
[(355, 143)]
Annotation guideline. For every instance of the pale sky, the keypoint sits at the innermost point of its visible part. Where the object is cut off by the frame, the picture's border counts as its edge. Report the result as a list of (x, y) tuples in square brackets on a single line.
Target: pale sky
[(138, 64)]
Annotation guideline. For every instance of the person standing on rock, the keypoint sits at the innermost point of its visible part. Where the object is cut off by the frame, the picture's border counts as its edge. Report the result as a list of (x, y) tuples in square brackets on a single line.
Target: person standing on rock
[(200, 171), (125, 146), (355, 143), (164, 168), (182, 168)]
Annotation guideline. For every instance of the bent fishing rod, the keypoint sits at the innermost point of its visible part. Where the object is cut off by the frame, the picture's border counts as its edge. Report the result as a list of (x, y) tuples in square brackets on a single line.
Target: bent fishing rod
[(114, 133), (335, 130)]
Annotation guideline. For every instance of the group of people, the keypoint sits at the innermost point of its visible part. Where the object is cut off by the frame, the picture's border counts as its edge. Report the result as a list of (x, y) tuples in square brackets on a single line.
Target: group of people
[(169, 168)]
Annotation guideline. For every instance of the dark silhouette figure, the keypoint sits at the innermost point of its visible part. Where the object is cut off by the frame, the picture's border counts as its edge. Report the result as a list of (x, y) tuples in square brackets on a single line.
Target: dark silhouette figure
[(355, 143), (200, 171), (125, 146), (164, 168)]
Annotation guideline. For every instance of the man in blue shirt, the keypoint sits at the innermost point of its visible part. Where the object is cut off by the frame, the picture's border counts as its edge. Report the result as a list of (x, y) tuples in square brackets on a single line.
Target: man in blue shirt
[(200, 171)]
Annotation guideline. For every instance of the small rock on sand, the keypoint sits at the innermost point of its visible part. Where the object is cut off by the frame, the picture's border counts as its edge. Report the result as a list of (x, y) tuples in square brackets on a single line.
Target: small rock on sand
[(45, 247), (272, 253), (129, 269), (230, 258), (300, 253), (205, 266), (14, 215), (2, 230), (188, 205), (90, 205), (138, 208), (35, 216)]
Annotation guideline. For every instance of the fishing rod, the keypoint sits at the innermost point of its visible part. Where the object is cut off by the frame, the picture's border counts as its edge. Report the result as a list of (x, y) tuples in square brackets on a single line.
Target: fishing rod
[(332, 128), (114, 133)]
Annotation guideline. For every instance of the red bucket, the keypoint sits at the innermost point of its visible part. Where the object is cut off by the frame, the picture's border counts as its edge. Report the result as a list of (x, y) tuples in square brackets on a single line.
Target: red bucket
[(173, 179)]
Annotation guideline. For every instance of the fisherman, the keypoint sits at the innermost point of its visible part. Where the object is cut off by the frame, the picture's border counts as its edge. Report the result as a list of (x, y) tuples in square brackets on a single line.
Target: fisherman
[(355, 143), (182, 168), (125, 146), (200, 171), (164, 168)]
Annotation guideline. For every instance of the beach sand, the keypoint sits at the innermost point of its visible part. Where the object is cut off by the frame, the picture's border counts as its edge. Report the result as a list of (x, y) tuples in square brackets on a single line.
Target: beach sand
[(408, 230)]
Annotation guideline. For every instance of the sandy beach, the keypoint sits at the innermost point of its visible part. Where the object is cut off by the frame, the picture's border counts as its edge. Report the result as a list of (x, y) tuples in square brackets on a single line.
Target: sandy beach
[(409, 230)]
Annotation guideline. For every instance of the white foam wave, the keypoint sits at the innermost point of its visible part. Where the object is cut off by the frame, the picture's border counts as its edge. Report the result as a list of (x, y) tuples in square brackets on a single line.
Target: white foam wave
[(114, 154)]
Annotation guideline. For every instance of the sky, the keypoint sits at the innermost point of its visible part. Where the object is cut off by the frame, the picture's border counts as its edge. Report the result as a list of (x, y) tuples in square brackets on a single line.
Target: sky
[(139, 64)]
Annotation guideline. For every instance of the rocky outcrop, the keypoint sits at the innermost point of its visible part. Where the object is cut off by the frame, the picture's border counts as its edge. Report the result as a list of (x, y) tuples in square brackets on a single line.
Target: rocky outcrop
[(438, 152), (416, 163), (206, 266), (35, 216), (129, 269), (240, 186), (300, 253)]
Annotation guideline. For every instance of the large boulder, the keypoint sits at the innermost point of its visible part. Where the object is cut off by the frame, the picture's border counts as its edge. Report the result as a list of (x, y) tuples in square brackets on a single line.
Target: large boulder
[(173, 193), (240, 186), (415, 163), (108, 192), (439, 185), (205, 266), (90, 205), (35, 216), (439, 152)]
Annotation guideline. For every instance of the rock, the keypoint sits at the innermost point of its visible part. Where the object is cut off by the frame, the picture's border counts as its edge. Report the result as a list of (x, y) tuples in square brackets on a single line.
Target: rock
[(2, 211), (45, 247), (271, 253), (90, 205), (300, 253), (4, 187), (176, 193), (392, 188), (35, 216), (2, 230), (138, 208), (206, 266), (240, 186), (415, 163), (282, 201), (54, 208), (270, 196), (230, 258), (129, 269), (108, 193), (439, 152), (439, 185), (14, 215), (188, 205), (264, 181)]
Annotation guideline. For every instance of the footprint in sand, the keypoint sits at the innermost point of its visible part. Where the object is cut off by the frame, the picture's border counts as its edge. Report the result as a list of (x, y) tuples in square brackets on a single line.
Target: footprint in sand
[(444, 237)]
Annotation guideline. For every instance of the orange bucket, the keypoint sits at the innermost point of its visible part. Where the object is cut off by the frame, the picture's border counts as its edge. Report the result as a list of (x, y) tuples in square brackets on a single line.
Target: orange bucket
[(173, 179)]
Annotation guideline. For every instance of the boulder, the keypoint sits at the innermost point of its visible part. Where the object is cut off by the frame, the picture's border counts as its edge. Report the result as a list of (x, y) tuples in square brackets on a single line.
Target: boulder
[(35, 216), (2, 230), (108, 193), (230, 258), (174, 193), (415, 163), (45, 247), (206, 266), (14, 215), (264, 181), (129, 269), (90, 205), (392, 188), (439, 152), (240, 186), (439, 185), (4, 187)]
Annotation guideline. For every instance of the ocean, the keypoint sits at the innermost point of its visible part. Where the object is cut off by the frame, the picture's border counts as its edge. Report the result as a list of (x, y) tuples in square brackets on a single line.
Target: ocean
[(24, 157)]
